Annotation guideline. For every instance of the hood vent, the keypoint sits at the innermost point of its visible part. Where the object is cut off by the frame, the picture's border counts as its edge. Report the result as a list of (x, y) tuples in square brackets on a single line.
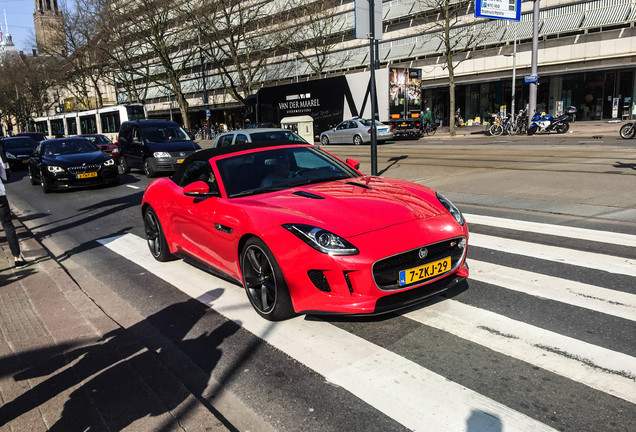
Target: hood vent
[(305, 194), (363, 186)]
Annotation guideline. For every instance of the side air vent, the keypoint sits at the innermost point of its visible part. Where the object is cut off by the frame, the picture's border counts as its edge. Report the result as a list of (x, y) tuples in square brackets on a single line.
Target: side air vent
[(319, 280)]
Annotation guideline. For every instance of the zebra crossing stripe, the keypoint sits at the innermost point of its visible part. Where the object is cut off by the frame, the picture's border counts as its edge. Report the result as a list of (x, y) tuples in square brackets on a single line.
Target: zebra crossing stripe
[(554, 230), (602, 369), (403, 390), (590, 260), (607, 301)]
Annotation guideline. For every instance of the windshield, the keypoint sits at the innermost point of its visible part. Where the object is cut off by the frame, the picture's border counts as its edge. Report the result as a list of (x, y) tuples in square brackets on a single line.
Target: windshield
[(279, 135), (278, 169), (98, 139), (17, 143), (164, 134), (64, 147), (368, 122)]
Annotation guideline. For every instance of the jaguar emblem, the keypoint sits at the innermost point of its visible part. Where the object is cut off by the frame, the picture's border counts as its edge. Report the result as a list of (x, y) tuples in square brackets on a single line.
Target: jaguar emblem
[(423, 253)]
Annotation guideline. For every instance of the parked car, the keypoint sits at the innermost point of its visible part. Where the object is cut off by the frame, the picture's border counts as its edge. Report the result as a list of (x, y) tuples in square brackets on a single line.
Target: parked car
[(63, 163), (256, 135), (16, 151), (104, 144), (356, 131), (154, 146), (37, 136), (320, 237)]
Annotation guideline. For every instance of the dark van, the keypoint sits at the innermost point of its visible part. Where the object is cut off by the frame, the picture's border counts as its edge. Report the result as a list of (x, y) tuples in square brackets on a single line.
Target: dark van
[(154, 146)]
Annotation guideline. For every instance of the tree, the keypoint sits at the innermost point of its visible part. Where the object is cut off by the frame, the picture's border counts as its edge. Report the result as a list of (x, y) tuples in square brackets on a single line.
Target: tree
[(450, 20), (148, 38), (314, 32), (230, 35), (24, 85)]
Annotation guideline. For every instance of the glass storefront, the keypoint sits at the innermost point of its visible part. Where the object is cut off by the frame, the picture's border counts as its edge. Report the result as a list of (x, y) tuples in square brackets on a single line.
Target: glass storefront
[(597, 95)]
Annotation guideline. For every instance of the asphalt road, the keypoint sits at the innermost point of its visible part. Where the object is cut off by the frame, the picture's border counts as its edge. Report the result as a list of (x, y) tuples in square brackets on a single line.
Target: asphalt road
[(542, 335)]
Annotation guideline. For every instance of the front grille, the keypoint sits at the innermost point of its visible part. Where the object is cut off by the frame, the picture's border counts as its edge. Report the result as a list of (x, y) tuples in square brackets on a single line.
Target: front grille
[(386, 271), (84, 169)]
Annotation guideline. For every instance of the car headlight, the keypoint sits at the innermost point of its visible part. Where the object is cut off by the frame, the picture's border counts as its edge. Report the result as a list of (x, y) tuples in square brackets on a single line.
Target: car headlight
[(109, 162), (161, 154), (322, 240), (454, 211), (10, 156), (56, 169)]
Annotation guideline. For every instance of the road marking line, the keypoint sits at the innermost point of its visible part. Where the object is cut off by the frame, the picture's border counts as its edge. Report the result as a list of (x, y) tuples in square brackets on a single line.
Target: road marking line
[(599, 368), (590, 260), (579, 294), (412, 395), (555, 230)]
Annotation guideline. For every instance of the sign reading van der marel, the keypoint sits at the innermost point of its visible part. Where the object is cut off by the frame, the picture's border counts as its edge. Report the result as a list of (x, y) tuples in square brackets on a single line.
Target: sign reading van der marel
[(498, 9)]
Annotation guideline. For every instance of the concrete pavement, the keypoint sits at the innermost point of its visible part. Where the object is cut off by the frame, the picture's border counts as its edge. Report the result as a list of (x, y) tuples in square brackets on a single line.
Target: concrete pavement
[(66, 365)]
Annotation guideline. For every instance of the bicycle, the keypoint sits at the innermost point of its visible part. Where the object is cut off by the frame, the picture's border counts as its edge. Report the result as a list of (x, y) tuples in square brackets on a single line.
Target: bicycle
[(429, 129), (628, 131)]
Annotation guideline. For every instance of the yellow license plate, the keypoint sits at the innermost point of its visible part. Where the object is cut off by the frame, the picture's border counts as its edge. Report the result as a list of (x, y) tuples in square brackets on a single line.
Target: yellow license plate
[(179, 161), (425, 271), (87, 175)]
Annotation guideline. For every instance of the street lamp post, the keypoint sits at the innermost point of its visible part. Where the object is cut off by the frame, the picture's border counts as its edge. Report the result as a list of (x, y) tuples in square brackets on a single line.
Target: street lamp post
[(514, 72), (532, 95)]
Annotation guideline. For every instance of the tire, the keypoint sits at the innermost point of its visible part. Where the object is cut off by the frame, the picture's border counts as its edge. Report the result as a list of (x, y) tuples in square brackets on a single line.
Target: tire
[(430, 131), (357, 140), (532, 129), (155, 237), (562, 128), (264, 282), (628, 131), (148, 169), (496, 130), (324, 140), (123, 165), (32, 178), (46, 187)]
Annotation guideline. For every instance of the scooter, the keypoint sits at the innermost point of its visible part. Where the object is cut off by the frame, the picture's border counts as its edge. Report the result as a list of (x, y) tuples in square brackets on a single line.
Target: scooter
[(546, 123)]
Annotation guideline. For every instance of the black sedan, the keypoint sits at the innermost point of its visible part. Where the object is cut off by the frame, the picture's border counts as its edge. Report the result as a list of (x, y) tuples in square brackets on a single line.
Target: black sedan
[(71, 162), (17, 151)]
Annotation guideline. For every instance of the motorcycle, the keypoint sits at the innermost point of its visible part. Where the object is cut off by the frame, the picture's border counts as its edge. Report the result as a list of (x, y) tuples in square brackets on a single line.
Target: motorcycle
[(547, 123), (628, 130)]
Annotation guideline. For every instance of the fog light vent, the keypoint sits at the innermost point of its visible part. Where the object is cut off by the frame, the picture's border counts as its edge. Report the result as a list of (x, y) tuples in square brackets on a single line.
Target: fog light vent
[(346, 276), (319, 280)]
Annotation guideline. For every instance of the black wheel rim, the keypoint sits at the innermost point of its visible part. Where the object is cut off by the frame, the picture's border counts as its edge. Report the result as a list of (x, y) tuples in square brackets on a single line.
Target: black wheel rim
[(153, 233), (259, 279)]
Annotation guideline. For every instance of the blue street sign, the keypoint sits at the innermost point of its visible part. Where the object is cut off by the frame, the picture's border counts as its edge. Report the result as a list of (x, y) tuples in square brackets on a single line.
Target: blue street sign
[(531, 79), (207, 113), (498, 9)]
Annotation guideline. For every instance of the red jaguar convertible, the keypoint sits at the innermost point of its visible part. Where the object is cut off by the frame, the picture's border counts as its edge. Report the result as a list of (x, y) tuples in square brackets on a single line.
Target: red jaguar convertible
[(305, 232)]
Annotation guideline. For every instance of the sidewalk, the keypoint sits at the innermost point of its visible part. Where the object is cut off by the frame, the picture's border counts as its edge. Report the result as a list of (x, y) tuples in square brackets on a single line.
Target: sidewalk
[(65, 365)]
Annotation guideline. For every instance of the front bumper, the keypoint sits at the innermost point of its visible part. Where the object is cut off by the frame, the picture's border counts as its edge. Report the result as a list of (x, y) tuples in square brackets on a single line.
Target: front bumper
[(67, 180), (320, 283)]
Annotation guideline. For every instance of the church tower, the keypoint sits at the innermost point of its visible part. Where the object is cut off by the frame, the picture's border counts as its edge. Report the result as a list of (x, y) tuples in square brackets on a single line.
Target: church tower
[(47, 21)]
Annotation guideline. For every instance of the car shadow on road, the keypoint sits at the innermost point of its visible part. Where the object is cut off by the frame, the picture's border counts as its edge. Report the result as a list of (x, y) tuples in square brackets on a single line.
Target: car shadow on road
[(117, 380)]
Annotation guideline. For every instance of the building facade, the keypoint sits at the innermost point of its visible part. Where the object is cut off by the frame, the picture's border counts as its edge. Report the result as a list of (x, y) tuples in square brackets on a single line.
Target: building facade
[(587, 59)]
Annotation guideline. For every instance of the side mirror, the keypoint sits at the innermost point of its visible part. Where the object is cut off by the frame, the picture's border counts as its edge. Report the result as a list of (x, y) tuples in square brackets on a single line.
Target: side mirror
[(353, 163), (198, 189), (136, 140)]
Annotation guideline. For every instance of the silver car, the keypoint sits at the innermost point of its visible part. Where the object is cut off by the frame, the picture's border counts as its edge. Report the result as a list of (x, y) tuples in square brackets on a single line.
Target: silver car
[(355, 131), (256, 135)]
